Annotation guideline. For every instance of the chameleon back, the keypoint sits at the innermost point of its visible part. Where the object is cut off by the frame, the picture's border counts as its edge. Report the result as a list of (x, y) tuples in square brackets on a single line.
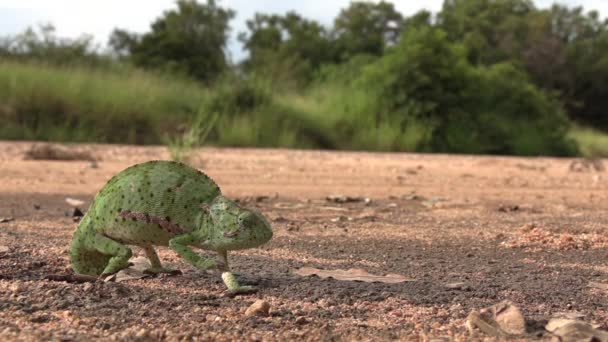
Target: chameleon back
[(151, 202)]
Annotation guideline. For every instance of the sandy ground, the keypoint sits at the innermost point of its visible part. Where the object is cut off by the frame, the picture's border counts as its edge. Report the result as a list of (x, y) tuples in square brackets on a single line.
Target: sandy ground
[(469, 232)]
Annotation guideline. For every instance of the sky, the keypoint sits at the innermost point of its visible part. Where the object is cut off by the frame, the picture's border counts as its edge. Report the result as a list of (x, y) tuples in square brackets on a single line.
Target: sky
[(98, 18)]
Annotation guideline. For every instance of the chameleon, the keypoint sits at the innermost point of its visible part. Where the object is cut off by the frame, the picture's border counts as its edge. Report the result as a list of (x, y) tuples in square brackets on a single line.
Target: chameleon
[(164, 203)]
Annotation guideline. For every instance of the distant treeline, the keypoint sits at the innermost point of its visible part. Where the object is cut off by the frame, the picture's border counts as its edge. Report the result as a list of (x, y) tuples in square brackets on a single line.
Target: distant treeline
[(479, 76)]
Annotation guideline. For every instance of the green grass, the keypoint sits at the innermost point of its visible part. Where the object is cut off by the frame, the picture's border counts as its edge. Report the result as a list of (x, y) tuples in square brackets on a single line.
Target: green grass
[(125, 105), (592, 143), (121, 104)]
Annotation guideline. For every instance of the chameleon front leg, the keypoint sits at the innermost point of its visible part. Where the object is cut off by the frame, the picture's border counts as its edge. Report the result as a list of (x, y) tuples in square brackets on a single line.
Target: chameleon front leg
[(230, 279), (180, 244)]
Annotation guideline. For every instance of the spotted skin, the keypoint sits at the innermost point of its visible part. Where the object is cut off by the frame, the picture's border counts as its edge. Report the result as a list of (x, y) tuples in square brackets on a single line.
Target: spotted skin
[(164, 203)]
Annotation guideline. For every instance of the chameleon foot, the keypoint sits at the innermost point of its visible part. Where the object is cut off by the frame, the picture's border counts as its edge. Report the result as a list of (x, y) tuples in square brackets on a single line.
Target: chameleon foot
[(233, 286), (241, 290)]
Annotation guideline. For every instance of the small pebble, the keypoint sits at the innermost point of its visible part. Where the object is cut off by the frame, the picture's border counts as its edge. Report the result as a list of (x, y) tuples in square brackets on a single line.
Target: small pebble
[(301, 320), (87, 287), (259, 308)]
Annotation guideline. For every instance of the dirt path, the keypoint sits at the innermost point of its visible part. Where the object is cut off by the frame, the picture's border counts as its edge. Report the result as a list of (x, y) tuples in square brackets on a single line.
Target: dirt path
[(531, 230)]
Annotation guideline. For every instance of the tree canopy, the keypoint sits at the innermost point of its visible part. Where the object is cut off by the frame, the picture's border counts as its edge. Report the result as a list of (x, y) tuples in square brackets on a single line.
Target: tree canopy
[(190, 40)]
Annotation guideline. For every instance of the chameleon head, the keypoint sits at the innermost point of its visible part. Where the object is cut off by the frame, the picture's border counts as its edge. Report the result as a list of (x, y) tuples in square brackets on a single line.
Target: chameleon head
[(236, 227)]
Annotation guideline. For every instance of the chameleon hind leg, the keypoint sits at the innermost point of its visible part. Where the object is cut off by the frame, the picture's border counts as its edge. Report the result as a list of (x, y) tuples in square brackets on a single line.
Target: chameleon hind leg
[(119, 253), (155, 264), (87, 261)]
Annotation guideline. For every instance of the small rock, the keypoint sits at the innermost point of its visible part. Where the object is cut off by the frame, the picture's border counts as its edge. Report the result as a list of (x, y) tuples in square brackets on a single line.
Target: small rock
[(509, 318), (6, 219), (37, 206), (41, 318), (341, 219), (280, 219), (87, 287), (142, 333), (261, 198), (301, 320), (508, 208), (76, 212), (4, 249), (17, 287), (259, 308)]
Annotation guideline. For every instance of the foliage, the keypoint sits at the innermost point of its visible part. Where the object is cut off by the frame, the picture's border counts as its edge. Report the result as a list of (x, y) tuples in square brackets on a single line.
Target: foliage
[(366, 28), (42, 44), (297, 45), (189, 40), (120, 105), (181, 147), (470, 109), (490, 29), (126, 105), (592, 143), (480, 76)]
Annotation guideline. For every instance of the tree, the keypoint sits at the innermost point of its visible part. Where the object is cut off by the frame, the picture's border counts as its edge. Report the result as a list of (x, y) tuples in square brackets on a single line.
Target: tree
[(42, 43), (190, 39), (492, 30), (427, 79), (566, 51), (367, 28), (286, 46), (123, 42)]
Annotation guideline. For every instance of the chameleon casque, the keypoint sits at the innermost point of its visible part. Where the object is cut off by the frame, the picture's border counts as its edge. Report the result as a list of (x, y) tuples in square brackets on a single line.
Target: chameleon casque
[(164, 203)]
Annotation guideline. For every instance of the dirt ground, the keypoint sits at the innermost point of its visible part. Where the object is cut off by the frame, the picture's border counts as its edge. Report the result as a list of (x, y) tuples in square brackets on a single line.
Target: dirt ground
[(469, 232)]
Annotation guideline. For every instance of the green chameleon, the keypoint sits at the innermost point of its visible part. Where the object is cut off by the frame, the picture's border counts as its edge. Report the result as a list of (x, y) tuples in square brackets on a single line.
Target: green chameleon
[(164, 203)]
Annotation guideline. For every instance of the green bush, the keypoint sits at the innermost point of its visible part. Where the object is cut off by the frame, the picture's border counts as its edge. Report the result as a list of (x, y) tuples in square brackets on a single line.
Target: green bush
[(427, 80)]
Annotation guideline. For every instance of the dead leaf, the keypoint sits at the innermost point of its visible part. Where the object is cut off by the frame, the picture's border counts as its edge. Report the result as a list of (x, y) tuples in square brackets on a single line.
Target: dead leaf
[(455, 286), (475, 320), (74, 202), (334, 208), (353, 274), (500, 320), (347, 199), (6, 219), (571, 330), (289, 205), (414, 197), (507, 208), (133, 272), (430, 203), (71, 278), (341, 219), (57, 152), (600, 286)]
